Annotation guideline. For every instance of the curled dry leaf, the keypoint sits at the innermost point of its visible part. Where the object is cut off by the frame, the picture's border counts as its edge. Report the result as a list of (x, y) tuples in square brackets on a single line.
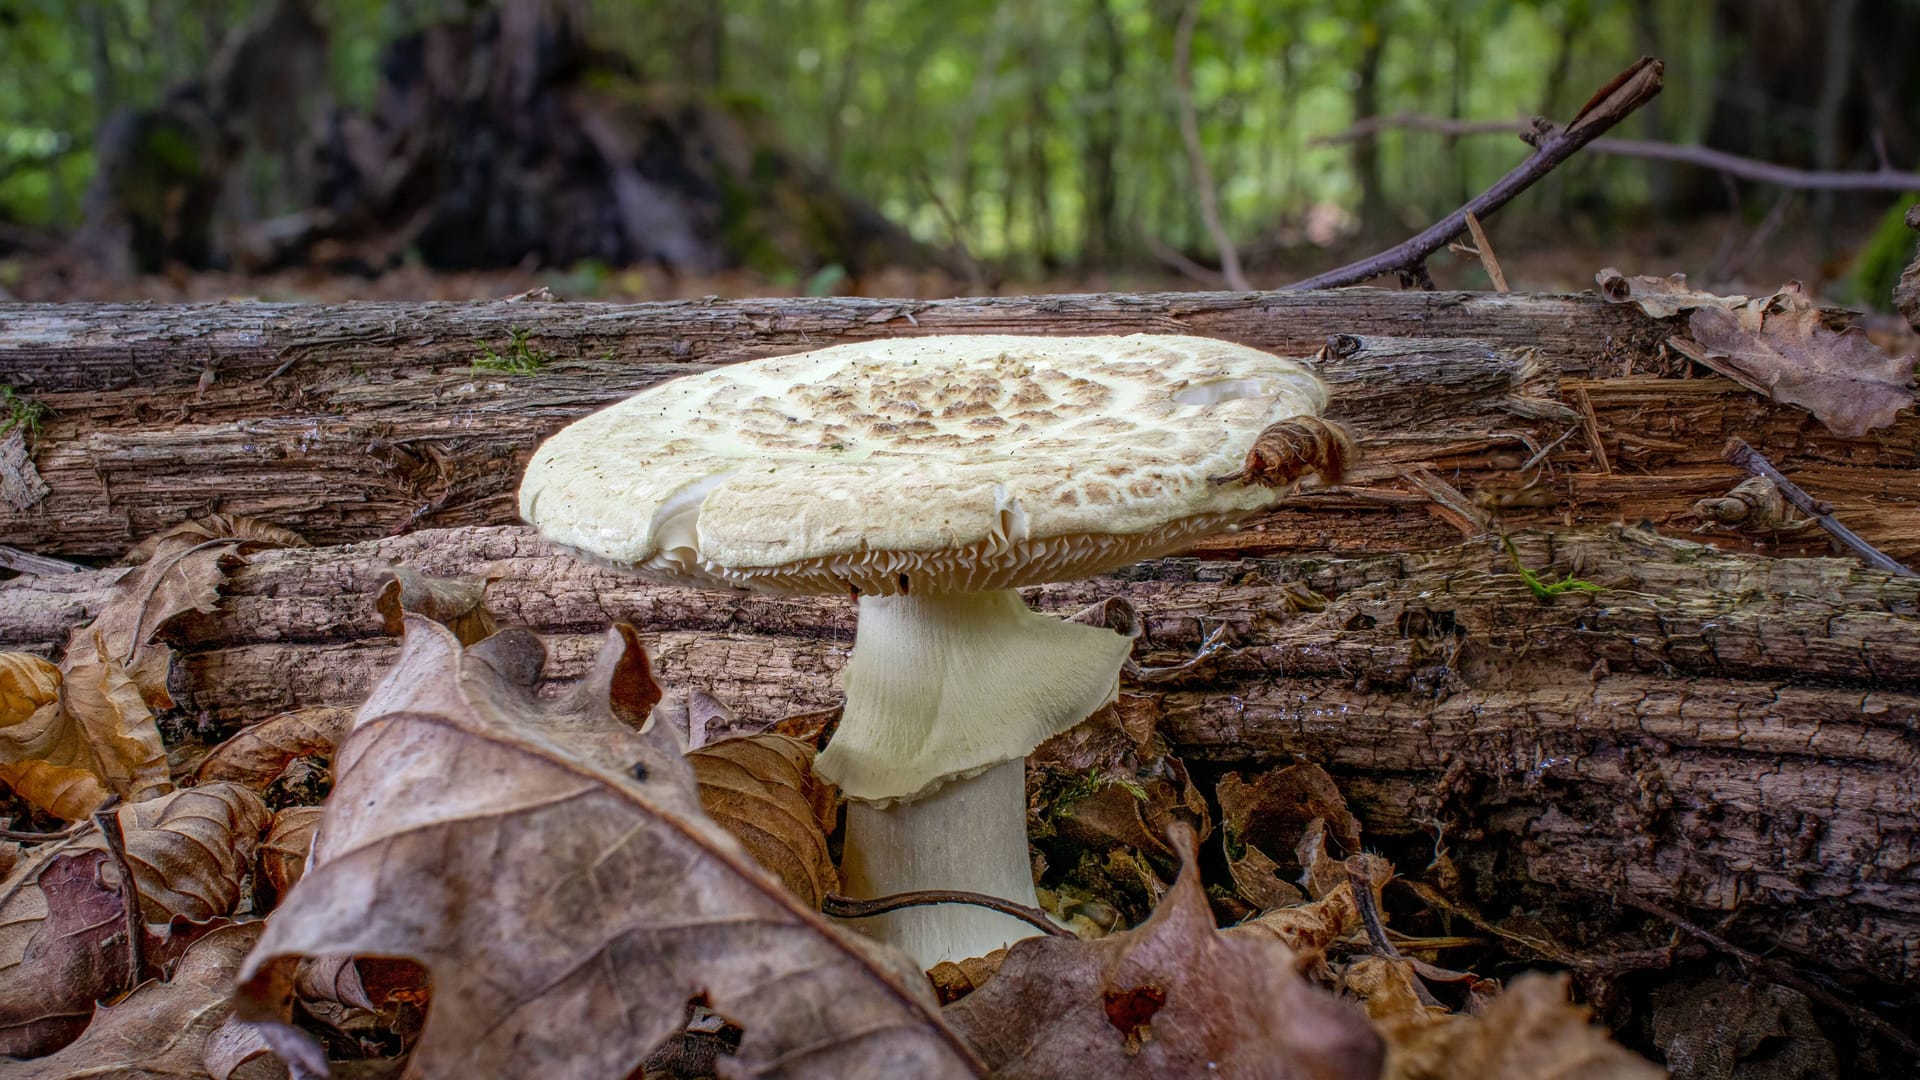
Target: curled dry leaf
[(1112, 782), (43, 757), (115, 675), (1309, 927), (63, 940), (252, 533), (1174, 997), (1779, 346), (762, 789), (190, 849), (162, 1029), (1274, 813), (1719, 1028), (457, 603), (258, 754), (1659, 297), (549, 864), (954, 980), (1530, 1032), (283, 854)]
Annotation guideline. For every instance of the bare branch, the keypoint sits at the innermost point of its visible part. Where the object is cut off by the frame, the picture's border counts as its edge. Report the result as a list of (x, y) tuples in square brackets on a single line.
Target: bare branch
[(1766, 172), (1739, 453), (1236, 279), (1616, 101)]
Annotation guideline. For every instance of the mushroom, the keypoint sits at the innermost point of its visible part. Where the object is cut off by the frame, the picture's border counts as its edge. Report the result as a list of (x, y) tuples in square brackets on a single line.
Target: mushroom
[(930, 478)]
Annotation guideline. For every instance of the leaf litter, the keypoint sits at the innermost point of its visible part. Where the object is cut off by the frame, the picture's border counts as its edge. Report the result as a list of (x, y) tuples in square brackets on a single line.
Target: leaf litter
[(579, 896)]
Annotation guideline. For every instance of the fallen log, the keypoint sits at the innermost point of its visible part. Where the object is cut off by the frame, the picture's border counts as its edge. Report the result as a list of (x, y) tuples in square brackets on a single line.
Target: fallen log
[(1717, 731), (356, 421)]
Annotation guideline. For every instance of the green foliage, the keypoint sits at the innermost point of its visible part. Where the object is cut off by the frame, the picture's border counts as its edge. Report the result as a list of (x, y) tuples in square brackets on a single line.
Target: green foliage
[(1542, 587), (1036, 134), (20, 413), (1888, 251), (519, 358)]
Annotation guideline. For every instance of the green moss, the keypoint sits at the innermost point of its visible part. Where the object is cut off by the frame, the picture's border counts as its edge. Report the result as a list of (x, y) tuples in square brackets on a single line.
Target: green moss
[(1543, 588), (519, 358), (20, 413), (1876, 270)]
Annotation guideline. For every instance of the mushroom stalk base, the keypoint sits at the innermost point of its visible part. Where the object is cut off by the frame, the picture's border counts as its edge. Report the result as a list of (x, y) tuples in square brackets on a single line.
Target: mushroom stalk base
[(947, 693), (971, 835)]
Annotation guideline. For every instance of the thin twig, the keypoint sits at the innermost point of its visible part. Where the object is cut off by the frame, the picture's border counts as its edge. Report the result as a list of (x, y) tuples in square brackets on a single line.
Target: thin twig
[(1756, 464), (1196, 154), (1614, 103), (1485, 250), (1177, 261), (1766, 172), (1778, 972), (846, 907), (1361, 882), (67, 833), (107, 820)]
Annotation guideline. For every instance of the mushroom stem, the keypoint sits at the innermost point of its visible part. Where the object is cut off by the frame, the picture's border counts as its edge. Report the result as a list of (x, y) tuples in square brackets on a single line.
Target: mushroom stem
[(970, 834), (955, 689)]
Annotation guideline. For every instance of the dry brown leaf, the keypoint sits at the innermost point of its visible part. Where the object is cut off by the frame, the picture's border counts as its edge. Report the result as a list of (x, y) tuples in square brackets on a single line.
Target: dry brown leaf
[(457, 603), (954, 980), (115, 674), (1311, 926), (1530, 1032), (162, 1029), (1174, 997), (549, 864), (1659, 297), (1111, 781), (62, 921), (283, 854), (256, 755), (43, 757), (1719, 1028), (63, 945), (762, 789), (251, 532), (1780, 347), (1273, 813)]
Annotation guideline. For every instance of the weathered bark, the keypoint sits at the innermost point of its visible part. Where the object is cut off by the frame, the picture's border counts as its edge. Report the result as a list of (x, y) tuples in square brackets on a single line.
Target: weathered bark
[(358, 421), (1715, 731)]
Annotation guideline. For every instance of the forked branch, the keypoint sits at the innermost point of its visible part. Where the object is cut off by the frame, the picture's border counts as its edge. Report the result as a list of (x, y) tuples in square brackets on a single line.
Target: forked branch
[(1616, 101)]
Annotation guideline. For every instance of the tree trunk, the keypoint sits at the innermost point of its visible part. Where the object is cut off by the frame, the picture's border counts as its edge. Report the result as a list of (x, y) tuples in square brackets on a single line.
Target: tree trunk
[(1713, 731), (357, 421)]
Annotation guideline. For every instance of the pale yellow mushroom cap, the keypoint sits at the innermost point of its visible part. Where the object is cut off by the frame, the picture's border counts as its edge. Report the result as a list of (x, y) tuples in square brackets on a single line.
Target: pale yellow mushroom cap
[(920, 464)]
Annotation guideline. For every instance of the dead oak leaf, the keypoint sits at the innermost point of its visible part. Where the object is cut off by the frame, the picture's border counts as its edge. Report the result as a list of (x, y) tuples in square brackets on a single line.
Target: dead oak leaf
[(762, 789), (1659, 297), (1273, 813), (162, 1029), (1173, 997), (457, 603), (549, 864), (283, 854), (1529, 1032), (43, 756), (115, 673), (256, 755), (1780, 346)]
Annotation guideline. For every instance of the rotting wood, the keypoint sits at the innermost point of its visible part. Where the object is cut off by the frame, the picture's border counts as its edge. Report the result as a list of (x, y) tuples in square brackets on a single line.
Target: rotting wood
[(1721, 732), (352, 422)]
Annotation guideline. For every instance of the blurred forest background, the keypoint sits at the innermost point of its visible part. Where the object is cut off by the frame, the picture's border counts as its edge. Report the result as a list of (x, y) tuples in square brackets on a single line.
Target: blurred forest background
[(181, 149)]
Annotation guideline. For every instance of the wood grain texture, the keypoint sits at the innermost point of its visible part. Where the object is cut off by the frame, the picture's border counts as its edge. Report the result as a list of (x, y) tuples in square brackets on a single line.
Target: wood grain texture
[(1723, 732)]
